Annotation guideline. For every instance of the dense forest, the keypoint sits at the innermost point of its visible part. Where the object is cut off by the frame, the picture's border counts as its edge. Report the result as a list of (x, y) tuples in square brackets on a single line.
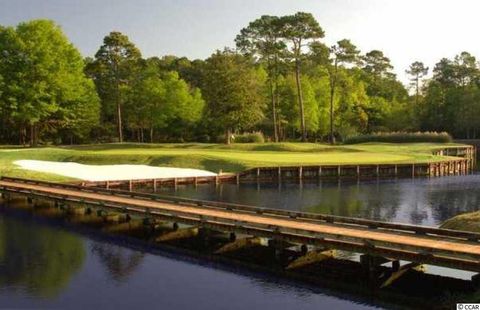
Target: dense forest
[(280, 80)]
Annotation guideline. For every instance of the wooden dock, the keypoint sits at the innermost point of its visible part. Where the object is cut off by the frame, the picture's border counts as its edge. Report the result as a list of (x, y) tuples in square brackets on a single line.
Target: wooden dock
[(377, 242)]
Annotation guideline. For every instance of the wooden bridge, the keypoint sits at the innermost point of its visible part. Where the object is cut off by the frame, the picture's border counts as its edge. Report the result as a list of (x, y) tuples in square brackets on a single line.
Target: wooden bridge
[(378, 242)]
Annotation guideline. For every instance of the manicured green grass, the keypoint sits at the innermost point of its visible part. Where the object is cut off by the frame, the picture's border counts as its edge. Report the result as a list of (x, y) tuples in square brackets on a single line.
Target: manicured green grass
[(216, 157)]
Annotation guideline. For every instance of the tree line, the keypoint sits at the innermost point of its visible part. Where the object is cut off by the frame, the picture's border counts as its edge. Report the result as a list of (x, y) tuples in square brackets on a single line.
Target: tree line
[(281, 79)]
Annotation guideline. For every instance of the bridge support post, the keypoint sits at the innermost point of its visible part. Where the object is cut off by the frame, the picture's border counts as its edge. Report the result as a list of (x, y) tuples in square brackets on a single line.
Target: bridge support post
[(370, 264)]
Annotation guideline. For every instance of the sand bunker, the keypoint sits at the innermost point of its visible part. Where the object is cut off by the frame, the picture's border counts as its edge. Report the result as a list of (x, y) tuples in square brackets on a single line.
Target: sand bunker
[(109, 172)]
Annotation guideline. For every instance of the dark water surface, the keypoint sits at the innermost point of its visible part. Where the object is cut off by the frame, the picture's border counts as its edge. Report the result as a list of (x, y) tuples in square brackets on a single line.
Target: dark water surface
[(44, 265)]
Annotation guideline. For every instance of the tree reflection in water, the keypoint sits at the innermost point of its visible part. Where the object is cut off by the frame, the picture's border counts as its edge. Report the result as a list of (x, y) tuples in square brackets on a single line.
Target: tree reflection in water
[(37, 260), (118, 261)]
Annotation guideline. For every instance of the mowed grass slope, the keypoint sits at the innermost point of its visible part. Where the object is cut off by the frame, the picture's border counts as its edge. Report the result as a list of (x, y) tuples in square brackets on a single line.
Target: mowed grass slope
[(216, 157)]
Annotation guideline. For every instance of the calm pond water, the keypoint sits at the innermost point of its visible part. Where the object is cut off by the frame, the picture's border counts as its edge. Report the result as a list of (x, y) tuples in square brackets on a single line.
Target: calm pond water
[(45, 265)]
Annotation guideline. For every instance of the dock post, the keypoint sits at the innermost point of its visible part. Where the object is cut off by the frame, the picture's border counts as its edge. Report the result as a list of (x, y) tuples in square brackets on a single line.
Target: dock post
[(107, 185), (154, 185), (238, 178), (130, 185), (413, 170), (319, 173), (377, 172), (358, 171), (279, 173), (300, 172), (339, 171), (396, 170)]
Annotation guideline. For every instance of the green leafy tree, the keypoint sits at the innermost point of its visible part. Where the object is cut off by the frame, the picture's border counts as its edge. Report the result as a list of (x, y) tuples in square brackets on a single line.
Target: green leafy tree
[(262, 39), (344, 52), (300, 30), (113, 70), (232, 91), (417, 71), (44, 79), (162, 101), (451, 97)]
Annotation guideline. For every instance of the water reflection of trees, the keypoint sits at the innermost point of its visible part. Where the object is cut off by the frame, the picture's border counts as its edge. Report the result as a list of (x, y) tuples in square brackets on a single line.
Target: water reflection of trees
[(118, 261), (38, 260)]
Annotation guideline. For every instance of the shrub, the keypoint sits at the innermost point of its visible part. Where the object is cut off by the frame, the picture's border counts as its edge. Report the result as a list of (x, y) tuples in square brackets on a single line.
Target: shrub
[(401, 137), (252, 137)]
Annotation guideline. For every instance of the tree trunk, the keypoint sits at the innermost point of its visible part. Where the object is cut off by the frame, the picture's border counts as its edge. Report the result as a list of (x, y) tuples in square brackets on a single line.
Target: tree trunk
[(33, 135), (228, 135), (417, 91), (274, 111), (23, 135), (151, 134), (300, 101), (332, 97), (277, 100), (119, 122)]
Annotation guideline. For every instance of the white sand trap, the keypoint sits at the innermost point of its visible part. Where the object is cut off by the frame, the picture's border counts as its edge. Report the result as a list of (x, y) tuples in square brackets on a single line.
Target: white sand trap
[(109, 172)]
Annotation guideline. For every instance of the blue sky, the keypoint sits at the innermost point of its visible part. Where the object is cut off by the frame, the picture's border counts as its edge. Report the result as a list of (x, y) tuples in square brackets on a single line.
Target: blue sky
[(406, 31)]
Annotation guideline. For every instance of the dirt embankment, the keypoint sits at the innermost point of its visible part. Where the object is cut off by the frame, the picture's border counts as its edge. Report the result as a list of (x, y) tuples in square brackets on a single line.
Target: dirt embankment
[(467, 222)]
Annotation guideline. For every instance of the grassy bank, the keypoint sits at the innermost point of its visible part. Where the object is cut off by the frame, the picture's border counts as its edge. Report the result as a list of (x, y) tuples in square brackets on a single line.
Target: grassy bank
[(467, 222), (215, 157)]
